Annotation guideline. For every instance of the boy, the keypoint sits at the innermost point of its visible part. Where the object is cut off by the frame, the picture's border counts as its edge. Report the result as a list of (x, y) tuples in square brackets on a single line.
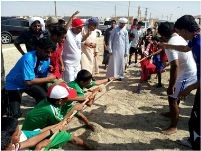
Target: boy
[(182, 72), (12, 136), (84, 80), (187, 27), (53, 109)]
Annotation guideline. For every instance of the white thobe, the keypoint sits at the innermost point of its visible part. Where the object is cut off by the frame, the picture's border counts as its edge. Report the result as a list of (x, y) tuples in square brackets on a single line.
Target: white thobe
[(71, 55), (118, 46), (87, 60)]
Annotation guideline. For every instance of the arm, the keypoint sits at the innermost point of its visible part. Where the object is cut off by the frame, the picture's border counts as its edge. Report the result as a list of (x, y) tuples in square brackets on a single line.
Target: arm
[(111, 38), (61, 63), (175, 47), (106, 37), (34, 140), (50, 130), (42, 144), (19, 48), (78, 98), (35, 81), (102, 81), (69, 21), (76, 107), (85, 36), (126, 45), (173, 76)]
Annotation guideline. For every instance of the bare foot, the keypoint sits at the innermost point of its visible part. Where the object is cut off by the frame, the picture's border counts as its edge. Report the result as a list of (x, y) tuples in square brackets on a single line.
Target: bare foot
[(169, 131)]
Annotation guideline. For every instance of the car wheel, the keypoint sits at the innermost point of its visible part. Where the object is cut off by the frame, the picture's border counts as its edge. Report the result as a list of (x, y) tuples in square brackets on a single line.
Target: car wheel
[(97, 34), (6, 38)]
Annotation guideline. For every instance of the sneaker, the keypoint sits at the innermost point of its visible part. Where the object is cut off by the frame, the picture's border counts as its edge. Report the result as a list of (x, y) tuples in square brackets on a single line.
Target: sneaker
[(184, 142)]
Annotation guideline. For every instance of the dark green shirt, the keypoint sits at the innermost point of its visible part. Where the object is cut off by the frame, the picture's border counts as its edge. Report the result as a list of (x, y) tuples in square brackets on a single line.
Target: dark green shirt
[(44, 114), (80, 91)]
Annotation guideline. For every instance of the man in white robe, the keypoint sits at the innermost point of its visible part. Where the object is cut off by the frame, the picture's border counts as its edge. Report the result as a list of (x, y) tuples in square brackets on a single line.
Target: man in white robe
[(118, 49), (89, 49)]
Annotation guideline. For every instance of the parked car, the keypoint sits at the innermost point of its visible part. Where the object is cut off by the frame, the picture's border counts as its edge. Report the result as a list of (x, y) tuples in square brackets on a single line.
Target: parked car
[(104, 25), (5, 18), (12, 28), (145, 26)]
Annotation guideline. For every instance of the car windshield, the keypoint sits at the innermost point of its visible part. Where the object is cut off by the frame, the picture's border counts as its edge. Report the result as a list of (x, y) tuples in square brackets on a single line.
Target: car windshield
[(107, 23)]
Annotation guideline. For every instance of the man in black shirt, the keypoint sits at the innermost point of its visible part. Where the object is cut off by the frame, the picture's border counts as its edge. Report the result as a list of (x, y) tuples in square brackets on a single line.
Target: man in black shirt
[(106, 54), (30, 37)]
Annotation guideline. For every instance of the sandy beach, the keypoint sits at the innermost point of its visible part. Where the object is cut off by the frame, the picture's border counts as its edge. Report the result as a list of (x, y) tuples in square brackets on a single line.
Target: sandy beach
[(123, 120)]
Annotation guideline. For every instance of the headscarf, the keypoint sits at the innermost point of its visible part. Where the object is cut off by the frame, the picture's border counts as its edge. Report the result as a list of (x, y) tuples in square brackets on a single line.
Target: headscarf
[(93, 21), (33, 19)]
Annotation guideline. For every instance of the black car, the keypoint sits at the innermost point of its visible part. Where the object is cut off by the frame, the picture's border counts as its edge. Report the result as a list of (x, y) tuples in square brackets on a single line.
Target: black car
[(12, 28), (104, 26)]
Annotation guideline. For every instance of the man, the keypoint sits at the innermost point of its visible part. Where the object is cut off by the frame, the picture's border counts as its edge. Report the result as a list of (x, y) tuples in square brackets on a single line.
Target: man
[(137, 34), (29, 75), (51, 22), (30, 37), (118, 49), (182, 72), (89, 48), (134, 25), (17, 139), (72, 50), (106, 43), (187, 27)]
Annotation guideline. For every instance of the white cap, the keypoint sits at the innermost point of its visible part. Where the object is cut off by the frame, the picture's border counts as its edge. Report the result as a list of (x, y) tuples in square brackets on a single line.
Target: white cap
[(123, 20), (60, 91)]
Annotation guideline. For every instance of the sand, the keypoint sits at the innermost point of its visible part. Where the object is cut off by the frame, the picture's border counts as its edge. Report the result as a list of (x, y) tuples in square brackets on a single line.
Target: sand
[(123, 120)]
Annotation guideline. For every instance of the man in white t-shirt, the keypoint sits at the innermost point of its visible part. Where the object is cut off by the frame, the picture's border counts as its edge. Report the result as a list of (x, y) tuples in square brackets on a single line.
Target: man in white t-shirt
[(72, 50), (136, 34), (183, 72)]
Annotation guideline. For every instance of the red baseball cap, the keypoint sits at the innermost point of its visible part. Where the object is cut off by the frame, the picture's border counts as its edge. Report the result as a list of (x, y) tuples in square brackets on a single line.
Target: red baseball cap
[(60, 91), (77, 22)]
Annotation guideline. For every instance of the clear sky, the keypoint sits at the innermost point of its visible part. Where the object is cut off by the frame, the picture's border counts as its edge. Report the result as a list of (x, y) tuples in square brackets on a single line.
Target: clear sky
[(170, 10)]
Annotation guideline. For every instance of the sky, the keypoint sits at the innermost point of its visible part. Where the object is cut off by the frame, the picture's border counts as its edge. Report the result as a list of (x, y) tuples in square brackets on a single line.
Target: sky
[(165, 10)]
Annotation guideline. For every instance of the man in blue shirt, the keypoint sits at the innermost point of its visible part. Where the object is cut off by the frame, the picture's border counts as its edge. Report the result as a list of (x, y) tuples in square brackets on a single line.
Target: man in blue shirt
[(29, 75)]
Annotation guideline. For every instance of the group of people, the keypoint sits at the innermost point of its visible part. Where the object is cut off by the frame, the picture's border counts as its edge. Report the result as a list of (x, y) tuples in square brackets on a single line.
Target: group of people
[(177, 45), (55, 71), (60, 62)]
